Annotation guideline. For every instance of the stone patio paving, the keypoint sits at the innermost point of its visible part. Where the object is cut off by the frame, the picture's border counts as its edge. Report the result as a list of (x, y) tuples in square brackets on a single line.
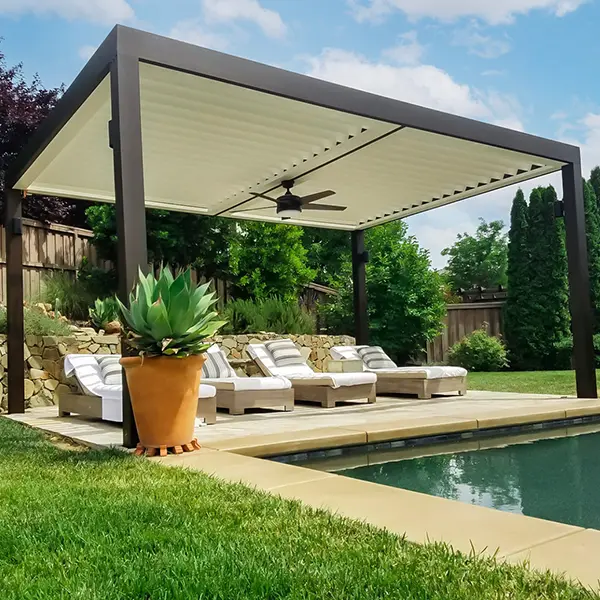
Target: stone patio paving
[(388, 418)]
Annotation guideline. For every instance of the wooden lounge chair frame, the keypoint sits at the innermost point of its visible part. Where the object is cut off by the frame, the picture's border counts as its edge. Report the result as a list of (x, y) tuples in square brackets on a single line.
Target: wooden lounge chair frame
[(90, 406), (236, 402), (423, 388)]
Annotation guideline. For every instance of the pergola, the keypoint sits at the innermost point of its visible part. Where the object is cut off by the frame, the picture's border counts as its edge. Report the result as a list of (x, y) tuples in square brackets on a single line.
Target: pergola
[(154, 122)]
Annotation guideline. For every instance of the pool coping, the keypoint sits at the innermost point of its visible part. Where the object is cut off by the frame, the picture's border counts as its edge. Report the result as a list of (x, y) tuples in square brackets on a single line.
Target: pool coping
[(420, 518), (543, 545), (399, 431)]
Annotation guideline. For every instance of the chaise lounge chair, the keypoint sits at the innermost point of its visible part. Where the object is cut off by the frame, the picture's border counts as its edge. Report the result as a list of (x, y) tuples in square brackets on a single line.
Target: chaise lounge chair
[(282, 358), (100, 396), (236, 394), (391, 379)]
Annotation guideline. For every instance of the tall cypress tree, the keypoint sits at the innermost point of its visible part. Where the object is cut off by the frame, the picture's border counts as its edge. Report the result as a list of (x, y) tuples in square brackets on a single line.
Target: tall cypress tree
[(592, 230), (549, 291), (516, 310), (595, 181)]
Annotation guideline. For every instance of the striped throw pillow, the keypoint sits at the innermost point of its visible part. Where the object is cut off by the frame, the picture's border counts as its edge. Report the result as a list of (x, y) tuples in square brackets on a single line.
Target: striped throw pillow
[(111, 370), (285, 353), (375, 358), (216, 366)]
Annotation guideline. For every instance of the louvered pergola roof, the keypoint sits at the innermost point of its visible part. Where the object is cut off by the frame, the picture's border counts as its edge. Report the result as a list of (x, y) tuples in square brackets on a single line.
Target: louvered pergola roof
[(217, 130)]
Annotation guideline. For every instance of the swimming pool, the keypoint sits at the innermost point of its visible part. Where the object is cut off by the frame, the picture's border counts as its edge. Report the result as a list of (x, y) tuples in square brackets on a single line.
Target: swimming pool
[(556, 479)]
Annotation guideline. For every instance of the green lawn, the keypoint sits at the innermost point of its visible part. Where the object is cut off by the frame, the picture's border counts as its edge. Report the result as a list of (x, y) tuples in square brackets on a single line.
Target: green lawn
[(86, 525), (535, 382)]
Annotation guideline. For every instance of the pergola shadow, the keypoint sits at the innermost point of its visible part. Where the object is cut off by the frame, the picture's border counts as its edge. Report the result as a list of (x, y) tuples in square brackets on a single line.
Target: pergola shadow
[(154, 122)]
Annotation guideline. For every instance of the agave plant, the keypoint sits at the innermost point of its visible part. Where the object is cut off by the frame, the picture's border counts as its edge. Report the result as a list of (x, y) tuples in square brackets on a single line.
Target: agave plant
[(170, 315), (104, 312)]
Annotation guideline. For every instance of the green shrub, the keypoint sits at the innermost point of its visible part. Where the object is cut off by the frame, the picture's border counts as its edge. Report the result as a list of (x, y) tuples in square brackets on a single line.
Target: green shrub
[(70, 296), (98, 282), (563, 351), (479, 352), (37, 323), (104, 312), (273, 314)]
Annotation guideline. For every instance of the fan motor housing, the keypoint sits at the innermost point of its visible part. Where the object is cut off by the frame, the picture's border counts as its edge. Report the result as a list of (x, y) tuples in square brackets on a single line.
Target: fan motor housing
[(289, 202)]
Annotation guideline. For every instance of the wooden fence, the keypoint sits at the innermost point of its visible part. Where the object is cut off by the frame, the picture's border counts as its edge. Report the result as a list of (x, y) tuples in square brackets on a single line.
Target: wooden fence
[(47, 248), (461, 320)]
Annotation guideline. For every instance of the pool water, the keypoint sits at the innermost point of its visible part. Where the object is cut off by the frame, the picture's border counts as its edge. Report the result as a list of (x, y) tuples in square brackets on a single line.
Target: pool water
[(556, 479)]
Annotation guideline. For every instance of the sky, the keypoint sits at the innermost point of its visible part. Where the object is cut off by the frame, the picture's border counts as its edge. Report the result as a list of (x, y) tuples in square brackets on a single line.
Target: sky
[(526, 64)]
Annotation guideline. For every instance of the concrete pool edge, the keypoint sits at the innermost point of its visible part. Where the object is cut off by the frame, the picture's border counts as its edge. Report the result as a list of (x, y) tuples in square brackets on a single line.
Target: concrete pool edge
[(545, 545)]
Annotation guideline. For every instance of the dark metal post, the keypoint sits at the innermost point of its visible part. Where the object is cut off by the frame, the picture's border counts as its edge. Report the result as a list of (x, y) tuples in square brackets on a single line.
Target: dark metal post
[(582, 321), (125, 133), (359, 280), (14, 295)]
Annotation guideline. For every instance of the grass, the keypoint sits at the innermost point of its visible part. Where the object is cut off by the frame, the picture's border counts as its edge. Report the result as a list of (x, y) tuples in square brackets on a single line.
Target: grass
[(104, 525), (561, 383)]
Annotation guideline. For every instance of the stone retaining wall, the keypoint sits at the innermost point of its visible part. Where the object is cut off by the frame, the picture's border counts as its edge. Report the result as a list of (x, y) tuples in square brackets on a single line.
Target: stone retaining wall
[(44, 357), (315, 348)]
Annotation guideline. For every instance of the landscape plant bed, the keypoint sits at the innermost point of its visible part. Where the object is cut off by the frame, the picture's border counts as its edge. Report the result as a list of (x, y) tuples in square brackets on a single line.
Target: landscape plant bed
[(105, 525)]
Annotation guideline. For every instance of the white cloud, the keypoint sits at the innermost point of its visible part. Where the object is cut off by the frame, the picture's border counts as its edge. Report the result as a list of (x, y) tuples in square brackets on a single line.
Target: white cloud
[(491, 11), (86, 52), (408, 52), (96, 11), (268, 20), (193, 32), (426, 85), (479, 43), (588, 140)]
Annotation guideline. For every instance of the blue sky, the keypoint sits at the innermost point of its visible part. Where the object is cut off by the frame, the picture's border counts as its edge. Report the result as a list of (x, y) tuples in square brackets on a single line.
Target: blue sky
[(525, 64)]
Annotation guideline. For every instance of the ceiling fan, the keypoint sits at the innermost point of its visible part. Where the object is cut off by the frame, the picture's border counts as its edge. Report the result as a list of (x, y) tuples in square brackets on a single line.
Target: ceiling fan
[(289, 205)]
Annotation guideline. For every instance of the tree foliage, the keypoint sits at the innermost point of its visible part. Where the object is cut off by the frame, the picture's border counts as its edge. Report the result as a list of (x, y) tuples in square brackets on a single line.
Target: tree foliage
[(328, 250), (269, 260), (173, 238), (549, 319), (480, 259), (592, 230), (23, 106), (517, 307), (406, 299)]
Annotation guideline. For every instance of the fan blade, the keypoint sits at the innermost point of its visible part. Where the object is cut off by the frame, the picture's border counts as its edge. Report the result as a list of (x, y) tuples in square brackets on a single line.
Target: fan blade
[(324, 207), (256, 195), (253, 209), (318, 196)]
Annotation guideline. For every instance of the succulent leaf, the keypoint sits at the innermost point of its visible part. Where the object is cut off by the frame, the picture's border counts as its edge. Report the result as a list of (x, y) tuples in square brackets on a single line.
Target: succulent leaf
[(169, 316)]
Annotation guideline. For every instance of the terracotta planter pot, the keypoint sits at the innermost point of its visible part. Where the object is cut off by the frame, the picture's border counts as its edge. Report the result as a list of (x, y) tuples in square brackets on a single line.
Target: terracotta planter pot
[(164, 397)]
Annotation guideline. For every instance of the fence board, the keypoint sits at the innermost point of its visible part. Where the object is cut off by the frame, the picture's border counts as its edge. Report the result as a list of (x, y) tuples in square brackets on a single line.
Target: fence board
[(460, 321)]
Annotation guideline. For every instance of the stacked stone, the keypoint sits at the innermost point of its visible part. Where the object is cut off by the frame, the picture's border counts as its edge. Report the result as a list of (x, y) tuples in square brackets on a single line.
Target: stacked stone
[(44, 358), (315, 348)]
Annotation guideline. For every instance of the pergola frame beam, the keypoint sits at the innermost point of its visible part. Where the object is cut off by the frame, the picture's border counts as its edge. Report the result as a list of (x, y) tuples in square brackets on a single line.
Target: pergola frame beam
[(582, 318), (120, 55), (125, 135)]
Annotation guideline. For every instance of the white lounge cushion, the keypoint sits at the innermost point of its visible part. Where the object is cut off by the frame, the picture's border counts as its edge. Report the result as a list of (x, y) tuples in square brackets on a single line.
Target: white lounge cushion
[(284, 353), (263, 357), (303, 374), (345, 352), (375, 358), (216, 365), (422, 372), (207, 391), (248, 384), (87, 371), (336, 380)]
